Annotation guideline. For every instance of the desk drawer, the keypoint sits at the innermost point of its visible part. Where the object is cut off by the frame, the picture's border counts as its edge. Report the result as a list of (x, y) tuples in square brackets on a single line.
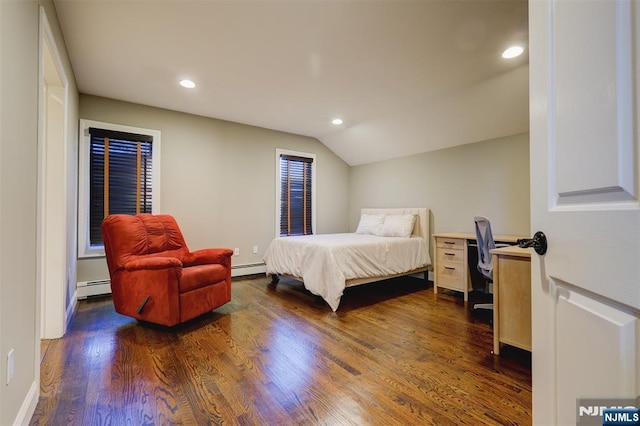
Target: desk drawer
[(451, 243), (449, 255), (451, 275)]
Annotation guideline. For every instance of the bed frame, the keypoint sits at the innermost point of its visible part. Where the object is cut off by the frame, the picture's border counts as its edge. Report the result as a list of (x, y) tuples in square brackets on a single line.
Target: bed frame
[(420, 229)]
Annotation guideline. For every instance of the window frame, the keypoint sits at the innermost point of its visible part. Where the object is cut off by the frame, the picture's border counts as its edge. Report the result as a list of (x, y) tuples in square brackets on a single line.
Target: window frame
[(279, 153), (85, 249)]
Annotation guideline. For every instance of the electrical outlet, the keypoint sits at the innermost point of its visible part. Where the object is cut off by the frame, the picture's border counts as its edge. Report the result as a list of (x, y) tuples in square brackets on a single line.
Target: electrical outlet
[(255, 249), (10, 365), (236, 251)]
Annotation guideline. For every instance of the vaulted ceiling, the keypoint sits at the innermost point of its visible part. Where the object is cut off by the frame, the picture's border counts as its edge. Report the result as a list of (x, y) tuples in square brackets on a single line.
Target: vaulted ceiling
[(405, 76)]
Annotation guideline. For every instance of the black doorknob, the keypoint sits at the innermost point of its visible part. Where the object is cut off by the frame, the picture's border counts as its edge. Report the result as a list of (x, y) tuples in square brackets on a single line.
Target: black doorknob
[(538, 242)]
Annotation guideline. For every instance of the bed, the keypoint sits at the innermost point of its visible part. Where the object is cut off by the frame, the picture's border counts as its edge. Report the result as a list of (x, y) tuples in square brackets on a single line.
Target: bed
[(386, 244)]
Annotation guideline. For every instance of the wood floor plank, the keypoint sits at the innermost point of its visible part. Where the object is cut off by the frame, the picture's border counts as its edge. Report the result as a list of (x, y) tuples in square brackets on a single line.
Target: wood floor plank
[(393, 353)]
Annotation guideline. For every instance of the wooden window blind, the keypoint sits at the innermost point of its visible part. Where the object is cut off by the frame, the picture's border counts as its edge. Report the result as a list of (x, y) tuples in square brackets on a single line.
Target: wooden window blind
[(120, 176), (295, 195)]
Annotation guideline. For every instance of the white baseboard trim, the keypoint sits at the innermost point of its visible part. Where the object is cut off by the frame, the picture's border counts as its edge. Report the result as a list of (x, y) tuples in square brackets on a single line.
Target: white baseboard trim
[(71, 310), (85, 289), (248, 269), (28, 406)]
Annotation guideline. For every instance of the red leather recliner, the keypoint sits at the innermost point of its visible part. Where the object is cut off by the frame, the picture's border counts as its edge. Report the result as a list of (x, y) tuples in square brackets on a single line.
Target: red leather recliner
[(154, 276)]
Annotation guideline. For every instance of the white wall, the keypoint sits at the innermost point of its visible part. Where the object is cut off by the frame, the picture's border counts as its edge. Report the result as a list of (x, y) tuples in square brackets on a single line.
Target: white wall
[(489, 178), (218, 178), (19, 97)]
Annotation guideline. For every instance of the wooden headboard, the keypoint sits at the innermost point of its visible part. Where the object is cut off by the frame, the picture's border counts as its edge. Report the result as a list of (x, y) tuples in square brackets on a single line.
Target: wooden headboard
[(421, 228)]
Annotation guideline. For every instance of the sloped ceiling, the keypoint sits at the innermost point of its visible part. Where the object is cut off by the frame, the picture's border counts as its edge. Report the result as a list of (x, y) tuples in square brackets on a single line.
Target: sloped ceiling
[(405, 76)]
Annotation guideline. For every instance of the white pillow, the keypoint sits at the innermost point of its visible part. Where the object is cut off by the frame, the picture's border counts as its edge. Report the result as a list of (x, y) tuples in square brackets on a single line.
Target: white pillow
[(371, 224), (398, 225)]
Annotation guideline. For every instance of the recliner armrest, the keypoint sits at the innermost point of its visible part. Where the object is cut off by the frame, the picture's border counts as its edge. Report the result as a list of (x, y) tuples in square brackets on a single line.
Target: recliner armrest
[(152, 263), (207, 256)]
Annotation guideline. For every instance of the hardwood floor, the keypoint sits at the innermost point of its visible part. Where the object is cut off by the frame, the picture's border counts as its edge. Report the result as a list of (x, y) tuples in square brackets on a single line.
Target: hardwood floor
[(394, 353)]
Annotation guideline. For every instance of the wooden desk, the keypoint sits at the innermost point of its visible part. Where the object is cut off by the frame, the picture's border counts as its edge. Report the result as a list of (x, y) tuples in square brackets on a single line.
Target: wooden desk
[(511, 297), (451, 264)]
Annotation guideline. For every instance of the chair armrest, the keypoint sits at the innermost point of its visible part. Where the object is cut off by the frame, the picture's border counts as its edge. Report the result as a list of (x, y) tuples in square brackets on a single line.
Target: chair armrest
[(152, 263), (207, 256)]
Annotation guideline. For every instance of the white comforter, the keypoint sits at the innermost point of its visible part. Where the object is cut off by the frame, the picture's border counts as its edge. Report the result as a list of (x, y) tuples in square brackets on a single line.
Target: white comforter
[(326, 261)]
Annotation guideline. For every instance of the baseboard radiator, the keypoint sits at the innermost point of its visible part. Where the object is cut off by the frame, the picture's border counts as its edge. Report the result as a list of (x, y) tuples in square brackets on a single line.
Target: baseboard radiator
[(93, 288), (248, 269)]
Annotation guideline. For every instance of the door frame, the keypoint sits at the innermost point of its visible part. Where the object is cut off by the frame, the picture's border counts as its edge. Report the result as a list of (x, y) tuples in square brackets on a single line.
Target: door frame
[(51, 294)]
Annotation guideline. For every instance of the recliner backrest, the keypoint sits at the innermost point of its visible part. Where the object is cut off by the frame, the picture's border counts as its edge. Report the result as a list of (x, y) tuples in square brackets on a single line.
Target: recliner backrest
[(129, 237)]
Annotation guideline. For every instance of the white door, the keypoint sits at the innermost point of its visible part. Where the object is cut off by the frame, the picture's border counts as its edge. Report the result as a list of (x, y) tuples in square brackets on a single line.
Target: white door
[(585, 190)]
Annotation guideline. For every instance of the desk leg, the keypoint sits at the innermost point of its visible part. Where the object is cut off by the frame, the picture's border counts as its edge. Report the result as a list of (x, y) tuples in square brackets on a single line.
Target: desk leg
[(496, 306)]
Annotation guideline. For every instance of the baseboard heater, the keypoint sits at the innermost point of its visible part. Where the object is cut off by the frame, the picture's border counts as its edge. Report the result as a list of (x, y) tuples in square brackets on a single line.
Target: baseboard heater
[(93, 288), (248, 269)]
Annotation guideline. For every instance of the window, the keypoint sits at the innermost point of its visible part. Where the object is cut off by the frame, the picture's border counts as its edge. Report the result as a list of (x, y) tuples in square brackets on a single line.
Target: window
[(295, 189), (118, 174)]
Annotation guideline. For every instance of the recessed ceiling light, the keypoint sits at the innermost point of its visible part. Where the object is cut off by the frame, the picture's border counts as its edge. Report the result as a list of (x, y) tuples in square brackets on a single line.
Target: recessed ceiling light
[(512, 52), (187, 83), (337, 121)]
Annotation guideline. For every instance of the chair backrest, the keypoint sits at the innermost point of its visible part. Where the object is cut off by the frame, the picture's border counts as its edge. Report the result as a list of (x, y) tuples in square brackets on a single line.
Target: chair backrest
[(130, 237), (485, 244)]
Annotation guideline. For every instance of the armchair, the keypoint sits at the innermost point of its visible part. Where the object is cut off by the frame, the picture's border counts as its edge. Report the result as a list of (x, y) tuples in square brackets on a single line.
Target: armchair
[(154, 276)]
